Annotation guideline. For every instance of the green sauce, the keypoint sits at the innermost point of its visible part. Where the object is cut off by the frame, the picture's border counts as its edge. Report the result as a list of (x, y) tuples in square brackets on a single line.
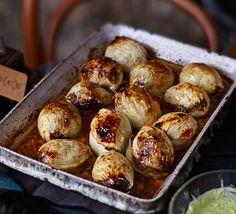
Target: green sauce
[(217, 201)]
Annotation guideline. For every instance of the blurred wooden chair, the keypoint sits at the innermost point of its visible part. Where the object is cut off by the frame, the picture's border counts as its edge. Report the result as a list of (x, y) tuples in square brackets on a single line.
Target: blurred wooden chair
[(38, 52), (232, 50)]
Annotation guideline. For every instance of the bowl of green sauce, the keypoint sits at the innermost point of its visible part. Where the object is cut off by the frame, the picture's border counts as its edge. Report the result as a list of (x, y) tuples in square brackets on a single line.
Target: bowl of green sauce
[(212, 192)]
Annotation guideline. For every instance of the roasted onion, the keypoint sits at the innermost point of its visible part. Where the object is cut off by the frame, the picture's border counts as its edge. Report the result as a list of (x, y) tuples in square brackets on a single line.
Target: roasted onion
[(103, 71), (180, 128), (151, 152), (126, 52), (137, 105), (188, 98), (87, 95), (110, 130), (59, 120), (202, 75), (64, 154), (155, 76), (112, 169)]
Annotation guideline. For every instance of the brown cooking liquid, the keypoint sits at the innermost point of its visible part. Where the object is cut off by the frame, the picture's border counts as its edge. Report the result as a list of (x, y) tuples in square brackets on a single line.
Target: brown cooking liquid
[(144, 187)]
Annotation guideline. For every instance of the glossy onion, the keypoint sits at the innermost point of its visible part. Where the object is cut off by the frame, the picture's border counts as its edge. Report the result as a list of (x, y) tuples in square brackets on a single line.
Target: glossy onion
[(126, 52), (59, 120), (155, 76), (103, 71), (137, 105), (112, 169), (188, 98), (109, 131), (87, 95), (64, 154), (180, 128), (202, 75), (151, 152)]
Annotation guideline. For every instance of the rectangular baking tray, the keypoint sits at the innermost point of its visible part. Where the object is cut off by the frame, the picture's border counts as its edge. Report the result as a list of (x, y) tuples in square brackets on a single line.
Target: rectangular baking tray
[(22, 119)]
